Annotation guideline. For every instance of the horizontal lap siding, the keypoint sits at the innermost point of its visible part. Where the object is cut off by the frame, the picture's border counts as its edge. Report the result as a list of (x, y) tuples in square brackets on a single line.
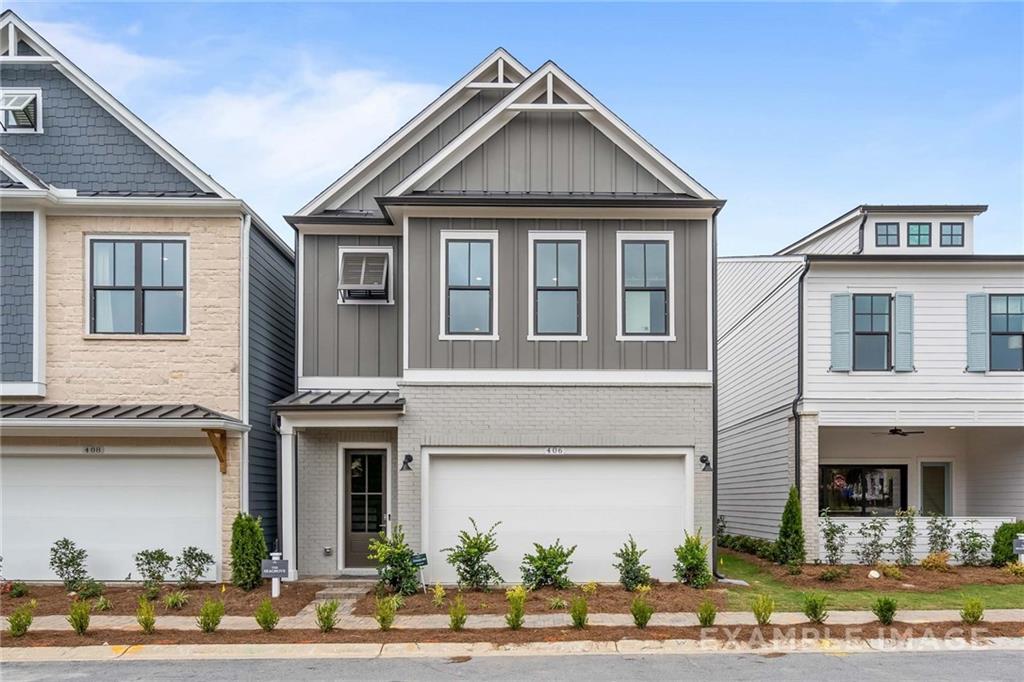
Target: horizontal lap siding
[(995, 482), (985, 526), (754, 474)]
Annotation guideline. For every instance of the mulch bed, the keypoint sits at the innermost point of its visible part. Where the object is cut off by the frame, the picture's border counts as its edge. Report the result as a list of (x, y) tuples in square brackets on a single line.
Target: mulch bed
[(53, 600), (914, 578), (739, 633), (667, 597)]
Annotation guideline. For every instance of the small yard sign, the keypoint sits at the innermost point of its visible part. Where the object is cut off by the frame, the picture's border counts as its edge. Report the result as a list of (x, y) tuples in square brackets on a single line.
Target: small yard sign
[(1018, 545), (419, 560), (275, 568)]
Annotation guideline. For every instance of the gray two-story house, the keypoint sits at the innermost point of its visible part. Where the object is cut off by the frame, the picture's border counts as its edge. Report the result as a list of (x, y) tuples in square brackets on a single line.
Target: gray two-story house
[(504, 315)]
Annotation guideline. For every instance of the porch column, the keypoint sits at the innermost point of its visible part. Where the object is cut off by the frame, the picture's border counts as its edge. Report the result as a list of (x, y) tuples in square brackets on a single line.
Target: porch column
[(287, 490), (809, 482)]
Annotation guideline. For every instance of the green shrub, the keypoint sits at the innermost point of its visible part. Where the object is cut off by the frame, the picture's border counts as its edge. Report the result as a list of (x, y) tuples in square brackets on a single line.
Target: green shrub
[(834, 535), (89, 589), (706, 613), (759, 547), (763, 607), (210, 614), (884, 609), (1002, 543), (20, 619), (578, 611), (789, 548), (102, 604), (457, 614), (516, 598), (691, 566), (438, 595), (794, 568), (153, 566), (557, 604), (176, 600), (78, 617), (940, 534), (394, 562), (902, 543), (327, 615), (641, 609), (191, 565), (891, 571), (384, 611), (469, 557), (632, 573), (266, 616), (68, 562), (816, 607), (547, 566), (971, 545), (871, 547), (146, 616), (18, 589), (248, 550), (972, 612), (833, 574), (936, 561)]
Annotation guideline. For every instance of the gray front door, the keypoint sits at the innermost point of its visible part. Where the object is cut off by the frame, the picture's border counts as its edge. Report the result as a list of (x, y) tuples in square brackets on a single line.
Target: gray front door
[(365, 491)]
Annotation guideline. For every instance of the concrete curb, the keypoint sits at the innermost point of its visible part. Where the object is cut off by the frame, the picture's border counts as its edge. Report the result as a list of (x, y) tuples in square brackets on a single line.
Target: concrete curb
[(170, 652)]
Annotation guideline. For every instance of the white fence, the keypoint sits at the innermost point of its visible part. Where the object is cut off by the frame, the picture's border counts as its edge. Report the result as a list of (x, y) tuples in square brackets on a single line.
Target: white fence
[(986, 525)]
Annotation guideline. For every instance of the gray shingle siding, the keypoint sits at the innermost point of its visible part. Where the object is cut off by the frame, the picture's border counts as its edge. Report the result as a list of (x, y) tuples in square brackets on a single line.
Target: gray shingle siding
[(271, 368), (82, 146), (15, 296)]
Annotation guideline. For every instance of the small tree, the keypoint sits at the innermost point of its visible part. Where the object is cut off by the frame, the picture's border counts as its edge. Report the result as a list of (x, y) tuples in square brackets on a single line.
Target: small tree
[(632, 573), (940, 533), (835, 538), (68, 562), (394, 562), (871, 547), (902, 544), (248, 550), (469, 558), (789, 549)]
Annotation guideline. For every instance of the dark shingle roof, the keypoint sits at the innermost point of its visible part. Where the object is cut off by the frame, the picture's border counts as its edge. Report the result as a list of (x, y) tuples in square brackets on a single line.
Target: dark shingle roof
[(155, 193), (10, 158), (16, 411), (355, 399), (7, 183)]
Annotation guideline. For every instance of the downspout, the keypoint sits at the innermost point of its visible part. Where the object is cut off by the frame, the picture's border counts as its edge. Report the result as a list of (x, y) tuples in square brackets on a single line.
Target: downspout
[(714, 394), (799, 372), (860, 242)]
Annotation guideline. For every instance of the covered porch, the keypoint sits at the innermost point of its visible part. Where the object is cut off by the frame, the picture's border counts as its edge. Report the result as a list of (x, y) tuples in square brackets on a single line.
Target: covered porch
[(973, 475)]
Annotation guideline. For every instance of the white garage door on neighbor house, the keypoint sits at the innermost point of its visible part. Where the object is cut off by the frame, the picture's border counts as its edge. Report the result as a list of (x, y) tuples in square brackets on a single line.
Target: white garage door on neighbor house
[(592, 500), (112, 507)]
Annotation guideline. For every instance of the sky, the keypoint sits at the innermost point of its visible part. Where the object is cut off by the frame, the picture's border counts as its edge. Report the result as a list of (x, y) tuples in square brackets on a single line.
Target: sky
[(793, 113)]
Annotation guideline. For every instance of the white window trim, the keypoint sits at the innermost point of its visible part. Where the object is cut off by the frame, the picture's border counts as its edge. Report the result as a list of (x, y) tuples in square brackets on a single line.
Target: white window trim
[(446, 236), (669, 237), (342, 250), (139, 237), (562, 236), (38, 92)]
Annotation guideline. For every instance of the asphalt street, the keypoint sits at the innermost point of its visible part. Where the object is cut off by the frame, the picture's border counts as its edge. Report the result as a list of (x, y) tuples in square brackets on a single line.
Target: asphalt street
[(932, 666)]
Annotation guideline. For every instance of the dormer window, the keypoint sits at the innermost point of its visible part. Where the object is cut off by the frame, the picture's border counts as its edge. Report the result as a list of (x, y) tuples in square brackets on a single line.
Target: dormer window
[(20, 111), (887, 234), (365, 275), (919, 234), (951, 234)]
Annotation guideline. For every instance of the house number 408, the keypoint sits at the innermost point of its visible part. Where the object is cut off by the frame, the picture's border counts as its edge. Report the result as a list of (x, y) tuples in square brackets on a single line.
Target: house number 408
[(554, 451)]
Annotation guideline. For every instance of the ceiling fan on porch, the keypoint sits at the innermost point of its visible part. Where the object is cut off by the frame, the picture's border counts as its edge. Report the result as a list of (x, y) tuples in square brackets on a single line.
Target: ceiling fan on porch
[(896, 431)]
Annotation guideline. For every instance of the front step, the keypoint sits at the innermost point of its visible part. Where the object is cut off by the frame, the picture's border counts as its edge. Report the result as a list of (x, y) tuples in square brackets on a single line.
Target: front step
[(344, 592)]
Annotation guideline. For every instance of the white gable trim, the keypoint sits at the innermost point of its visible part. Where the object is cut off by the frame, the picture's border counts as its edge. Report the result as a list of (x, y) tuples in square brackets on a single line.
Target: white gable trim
[(15, 173), (11, 22), (412, 132), (588, 106)]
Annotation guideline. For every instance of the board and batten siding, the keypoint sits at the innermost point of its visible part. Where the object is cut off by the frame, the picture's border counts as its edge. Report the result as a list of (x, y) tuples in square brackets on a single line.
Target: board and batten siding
[(412, 159), (271, 368), (348, 340), (549, 152), (601, 350), (758, 312), (939, 391)]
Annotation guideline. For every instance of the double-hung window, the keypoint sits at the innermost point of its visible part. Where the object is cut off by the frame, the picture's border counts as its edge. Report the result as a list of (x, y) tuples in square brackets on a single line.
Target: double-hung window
[(951, 234), (871, 331), (919, 234), (645, 281), (365, 275), (137, 286), (558, 272), (887, 234), (469, 299), (1006, 332)]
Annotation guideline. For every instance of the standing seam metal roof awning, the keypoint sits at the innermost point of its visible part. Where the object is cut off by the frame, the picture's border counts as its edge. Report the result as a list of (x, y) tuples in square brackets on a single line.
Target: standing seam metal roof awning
[(157, 415), (355, 399)]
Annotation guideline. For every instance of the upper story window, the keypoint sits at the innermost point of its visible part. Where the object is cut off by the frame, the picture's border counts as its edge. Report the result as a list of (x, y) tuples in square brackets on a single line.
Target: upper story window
[(469, 297), (887, 234), (365, 275), (137, 286), (871, 331), (645, 280), (919, 234), (1006, 330), (951, 234), (20, 110), (558, 274)]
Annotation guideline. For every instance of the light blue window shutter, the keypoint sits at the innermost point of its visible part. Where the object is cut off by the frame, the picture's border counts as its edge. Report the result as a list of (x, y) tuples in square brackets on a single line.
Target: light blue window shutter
[(903, 326), (842, 332), (977, 332)]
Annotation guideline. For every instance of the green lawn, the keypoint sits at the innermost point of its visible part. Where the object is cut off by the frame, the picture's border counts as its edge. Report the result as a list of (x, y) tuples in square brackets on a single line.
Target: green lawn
[(791, 599)]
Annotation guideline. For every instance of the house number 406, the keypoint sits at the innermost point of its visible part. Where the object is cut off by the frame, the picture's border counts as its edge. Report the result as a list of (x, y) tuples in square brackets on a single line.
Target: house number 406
[(554, 451)]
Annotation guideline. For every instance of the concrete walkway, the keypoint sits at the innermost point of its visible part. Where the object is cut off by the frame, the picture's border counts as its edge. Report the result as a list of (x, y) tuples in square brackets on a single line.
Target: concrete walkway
[(306, 620)]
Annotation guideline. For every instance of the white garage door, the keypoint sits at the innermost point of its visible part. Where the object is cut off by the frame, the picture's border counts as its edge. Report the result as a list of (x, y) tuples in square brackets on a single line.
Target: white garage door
[(592, 502), (111, 506)]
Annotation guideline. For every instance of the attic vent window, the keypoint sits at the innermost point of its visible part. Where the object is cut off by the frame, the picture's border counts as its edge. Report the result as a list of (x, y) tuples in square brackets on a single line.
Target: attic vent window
[(365, 275), (19, 111)]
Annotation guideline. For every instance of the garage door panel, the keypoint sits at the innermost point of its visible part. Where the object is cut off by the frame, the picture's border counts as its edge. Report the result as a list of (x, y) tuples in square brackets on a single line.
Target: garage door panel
[(594, 503), (111, 507)]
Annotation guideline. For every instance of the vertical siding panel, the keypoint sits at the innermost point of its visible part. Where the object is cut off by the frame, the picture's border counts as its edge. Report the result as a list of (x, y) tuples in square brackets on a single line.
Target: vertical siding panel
[(326, 256), (538, 151), (560, 151)]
